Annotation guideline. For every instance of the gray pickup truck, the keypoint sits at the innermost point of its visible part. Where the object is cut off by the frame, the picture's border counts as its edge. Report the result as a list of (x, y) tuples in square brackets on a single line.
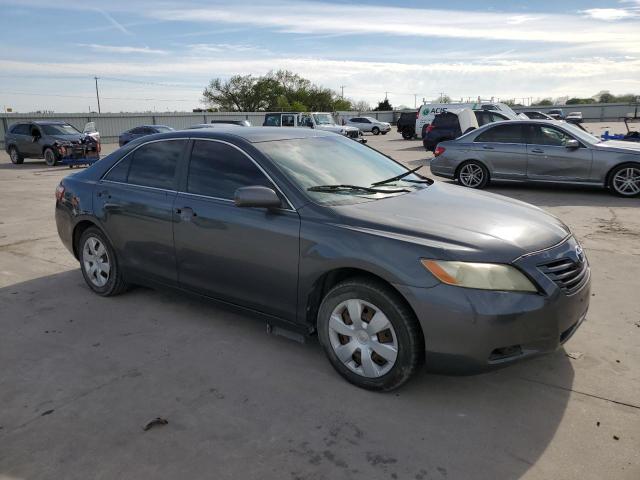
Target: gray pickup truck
[(320, 120)]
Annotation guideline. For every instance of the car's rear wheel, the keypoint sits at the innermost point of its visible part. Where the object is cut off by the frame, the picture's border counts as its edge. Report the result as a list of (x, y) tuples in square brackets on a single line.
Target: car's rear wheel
[(15, 156), (375, 130), (625, 180), (407, 133), (473, 174), (369, 334), (383, 133), (99, 264), (50, 157)]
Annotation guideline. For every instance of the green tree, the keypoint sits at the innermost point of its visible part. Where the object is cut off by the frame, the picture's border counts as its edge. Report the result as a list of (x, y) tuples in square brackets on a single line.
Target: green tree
[(607, 98), (384, 105), (241, 93), (342, 104), (545, 102)]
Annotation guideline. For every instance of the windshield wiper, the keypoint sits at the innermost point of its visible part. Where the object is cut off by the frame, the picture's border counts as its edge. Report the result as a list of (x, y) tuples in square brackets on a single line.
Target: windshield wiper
[(338, 188), (401, 176)]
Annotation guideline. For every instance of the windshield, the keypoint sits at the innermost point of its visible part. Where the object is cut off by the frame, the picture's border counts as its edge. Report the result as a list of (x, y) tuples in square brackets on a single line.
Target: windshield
[(310, 162), (581, 134), (323, 119), (62, 129)]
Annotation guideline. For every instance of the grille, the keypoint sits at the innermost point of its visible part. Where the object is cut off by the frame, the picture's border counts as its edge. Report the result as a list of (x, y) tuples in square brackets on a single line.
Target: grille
[(568, 274), (353, 134)]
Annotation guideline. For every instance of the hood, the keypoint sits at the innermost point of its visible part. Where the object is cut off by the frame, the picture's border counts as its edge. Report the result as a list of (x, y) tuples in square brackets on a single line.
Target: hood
[(336, 128), (458, 223), (619, 146)]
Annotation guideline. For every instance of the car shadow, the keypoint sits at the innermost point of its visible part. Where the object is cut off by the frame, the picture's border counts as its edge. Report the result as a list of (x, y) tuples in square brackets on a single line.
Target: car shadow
[(30, 165), (77, 364)]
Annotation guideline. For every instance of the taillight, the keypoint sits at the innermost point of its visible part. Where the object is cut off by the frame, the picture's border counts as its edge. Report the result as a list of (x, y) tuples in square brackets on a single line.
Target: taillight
[(59, 192), (417, 114), (438, 151)]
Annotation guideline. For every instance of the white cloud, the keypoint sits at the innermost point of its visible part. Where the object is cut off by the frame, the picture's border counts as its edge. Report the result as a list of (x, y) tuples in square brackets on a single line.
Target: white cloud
[(203, 48), (609, 14), (122, 49)]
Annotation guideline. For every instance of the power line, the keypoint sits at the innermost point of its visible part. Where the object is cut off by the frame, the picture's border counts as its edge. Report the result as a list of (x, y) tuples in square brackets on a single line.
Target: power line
[(92, 97)]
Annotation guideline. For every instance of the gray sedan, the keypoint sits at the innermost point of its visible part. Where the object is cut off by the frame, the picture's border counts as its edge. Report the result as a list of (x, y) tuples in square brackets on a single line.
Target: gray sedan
[(539, 151)]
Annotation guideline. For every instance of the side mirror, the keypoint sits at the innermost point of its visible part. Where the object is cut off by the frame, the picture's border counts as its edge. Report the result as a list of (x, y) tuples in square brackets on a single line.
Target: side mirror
[(572, 144), (257, 196)]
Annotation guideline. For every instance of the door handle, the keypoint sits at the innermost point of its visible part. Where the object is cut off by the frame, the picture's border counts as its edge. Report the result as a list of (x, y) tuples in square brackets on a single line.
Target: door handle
[(186, 213), (537, 150), (487, 147)]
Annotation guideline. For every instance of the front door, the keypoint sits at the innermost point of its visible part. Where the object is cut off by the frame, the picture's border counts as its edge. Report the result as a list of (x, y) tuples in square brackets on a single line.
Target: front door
[(550, 159), (246, 256), (134, 202)]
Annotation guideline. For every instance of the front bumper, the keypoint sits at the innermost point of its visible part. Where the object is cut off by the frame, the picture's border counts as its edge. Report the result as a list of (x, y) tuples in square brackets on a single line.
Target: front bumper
[(469, 331)]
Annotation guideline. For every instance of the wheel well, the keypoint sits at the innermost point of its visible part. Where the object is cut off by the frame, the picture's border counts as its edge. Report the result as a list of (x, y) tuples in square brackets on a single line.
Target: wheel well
[(78, 230), (608, 175), (330, 279), (455, 175)]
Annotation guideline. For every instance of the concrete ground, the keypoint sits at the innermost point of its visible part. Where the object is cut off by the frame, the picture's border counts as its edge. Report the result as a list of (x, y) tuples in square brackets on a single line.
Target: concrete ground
[(81, 375)]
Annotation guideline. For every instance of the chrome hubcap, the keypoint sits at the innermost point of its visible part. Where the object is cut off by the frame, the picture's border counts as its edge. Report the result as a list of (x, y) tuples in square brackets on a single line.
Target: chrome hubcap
[(471, 175), (14, 155), (96, 261), (363, 338), (627, 181), (49, 157)]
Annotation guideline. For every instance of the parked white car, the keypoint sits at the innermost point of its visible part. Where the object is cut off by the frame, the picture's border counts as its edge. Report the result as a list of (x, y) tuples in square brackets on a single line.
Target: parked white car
[(320, 120), (369, 124), (574, 117), (428, 111)]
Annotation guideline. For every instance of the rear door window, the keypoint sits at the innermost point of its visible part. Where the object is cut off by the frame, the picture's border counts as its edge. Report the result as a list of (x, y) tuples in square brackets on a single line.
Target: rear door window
[(151, 165), (502, 134), (288, 121), (21, 129), (272, 121), (218, 170)]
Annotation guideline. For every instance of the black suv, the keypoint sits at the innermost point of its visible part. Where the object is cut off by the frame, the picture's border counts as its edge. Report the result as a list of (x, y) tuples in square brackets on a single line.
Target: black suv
[(446, 126), (407, 125), (55, 141)]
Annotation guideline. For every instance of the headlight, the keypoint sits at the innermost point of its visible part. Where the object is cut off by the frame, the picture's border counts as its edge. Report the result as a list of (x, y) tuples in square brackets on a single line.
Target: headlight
[(485, 276)]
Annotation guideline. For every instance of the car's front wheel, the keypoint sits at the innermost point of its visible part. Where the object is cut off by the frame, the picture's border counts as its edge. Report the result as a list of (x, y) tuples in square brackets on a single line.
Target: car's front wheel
[(15, 156), (625, 180), (99, 264), (473, 174), (371, 337), (50, 157), (375, 130)]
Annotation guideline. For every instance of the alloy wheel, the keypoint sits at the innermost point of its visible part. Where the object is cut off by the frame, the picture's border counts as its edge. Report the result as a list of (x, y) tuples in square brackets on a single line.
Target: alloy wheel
[(471, 175), (627, 181), (363, 338), (50, 157), (14, 155), (96, 261)]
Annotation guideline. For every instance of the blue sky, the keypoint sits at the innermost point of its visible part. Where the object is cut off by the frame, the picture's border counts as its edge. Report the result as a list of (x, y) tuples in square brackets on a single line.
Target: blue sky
[(160, 54)]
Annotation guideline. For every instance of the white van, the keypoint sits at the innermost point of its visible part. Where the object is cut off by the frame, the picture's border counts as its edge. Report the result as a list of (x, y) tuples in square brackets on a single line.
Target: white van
[(428, 111)]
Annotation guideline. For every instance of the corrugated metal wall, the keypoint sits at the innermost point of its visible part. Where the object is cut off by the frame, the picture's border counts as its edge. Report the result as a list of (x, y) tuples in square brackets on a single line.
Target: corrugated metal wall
[(110, 125)]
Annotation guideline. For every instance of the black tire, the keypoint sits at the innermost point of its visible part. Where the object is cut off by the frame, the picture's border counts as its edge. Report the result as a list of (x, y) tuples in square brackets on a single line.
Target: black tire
[(614, 184), (383, 133), (408, 334), (475, 165), (375, 131), (50, 157), (408, 133), (14, 154), (115, 283)]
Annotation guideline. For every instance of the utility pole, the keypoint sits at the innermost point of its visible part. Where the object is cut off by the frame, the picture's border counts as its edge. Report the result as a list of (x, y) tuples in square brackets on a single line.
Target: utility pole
[(386, 94), (342, 90), (97, 94), (415, 100), (441, 97)]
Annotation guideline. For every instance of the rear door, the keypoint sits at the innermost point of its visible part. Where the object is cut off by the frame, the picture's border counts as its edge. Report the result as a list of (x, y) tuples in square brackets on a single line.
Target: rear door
[(134, 201), (503, 148), (21, 134), (246, 256), (550, 159)]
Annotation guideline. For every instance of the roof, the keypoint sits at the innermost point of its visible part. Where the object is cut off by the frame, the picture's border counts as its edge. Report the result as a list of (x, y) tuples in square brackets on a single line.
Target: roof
[(254, 134), (48, 122)]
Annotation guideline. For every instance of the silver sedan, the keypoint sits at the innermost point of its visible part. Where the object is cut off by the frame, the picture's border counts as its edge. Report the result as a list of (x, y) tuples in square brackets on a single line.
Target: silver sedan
[(539, 151)]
